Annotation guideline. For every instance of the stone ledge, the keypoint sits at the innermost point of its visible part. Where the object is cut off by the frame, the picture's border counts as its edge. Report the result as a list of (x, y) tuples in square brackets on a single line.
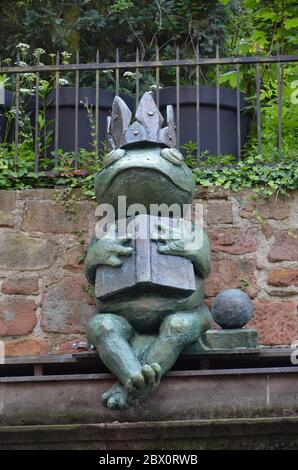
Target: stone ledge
[(182, 395), (257, 433)]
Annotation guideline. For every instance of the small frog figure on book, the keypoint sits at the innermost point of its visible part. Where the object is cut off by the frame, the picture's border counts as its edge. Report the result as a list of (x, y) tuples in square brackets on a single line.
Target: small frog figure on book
[(150, 290)]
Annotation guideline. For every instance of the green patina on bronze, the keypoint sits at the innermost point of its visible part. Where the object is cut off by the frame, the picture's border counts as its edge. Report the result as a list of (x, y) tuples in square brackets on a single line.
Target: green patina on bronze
[(140, 334)]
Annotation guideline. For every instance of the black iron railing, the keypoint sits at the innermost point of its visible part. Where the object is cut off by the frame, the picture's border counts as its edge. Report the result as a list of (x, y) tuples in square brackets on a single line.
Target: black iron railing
[(156, 66)]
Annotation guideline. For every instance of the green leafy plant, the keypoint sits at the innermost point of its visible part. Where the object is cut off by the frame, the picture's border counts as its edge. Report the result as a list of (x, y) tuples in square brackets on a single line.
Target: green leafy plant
[(250, 173), (239, 26)]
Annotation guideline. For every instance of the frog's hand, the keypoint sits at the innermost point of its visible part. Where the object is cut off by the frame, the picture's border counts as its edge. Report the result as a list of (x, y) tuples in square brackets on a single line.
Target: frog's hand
[(198, 251), (105, 251), (193, 246)]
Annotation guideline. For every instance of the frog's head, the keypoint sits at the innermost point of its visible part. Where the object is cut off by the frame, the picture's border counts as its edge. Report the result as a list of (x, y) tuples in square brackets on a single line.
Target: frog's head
[(143, 164), (147, 174)]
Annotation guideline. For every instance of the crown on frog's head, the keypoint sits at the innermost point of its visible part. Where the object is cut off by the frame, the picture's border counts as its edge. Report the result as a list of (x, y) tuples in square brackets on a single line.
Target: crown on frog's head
[(146, 128)]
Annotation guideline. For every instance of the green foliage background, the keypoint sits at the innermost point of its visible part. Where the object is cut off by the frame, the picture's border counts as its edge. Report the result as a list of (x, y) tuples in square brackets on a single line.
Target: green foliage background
[(88, 25), (237, 26)]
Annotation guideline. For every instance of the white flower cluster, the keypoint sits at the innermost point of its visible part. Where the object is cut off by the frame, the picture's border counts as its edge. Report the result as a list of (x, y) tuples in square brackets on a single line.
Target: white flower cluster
[(23, 47)]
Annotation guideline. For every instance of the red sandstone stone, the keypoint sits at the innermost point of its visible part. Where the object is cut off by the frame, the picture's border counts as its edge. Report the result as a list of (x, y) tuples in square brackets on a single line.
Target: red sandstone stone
[(7, 200), (26, 347), (233, 240), (21, 252), (227, 273), (285, 246), (220, 213), (274, 208), (276, 322), (73, 259), (17, 317), (283, 293), (267, 230), (267, 208), (66, 306), (283, 277), (211, 193), (7, 205), (6, 219), (46, 217), (24, 286)]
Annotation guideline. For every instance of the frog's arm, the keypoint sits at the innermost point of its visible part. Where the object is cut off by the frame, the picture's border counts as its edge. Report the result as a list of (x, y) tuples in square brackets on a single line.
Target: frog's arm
[(90, 262), (192, 245), (201, 258), (107, 251)]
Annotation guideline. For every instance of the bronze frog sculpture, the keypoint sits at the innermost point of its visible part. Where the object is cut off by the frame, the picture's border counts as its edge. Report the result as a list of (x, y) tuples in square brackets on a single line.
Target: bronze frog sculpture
[(140, 333)]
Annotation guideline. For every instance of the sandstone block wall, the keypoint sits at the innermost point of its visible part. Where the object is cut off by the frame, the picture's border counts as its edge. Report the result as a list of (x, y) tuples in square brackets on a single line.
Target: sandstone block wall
[(45, 301)]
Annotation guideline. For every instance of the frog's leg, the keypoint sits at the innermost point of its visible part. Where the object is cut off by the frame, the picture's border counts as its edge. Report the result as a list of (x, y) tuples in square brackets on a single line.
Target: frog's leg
[(111, 335), (177, 331), (117, 397)]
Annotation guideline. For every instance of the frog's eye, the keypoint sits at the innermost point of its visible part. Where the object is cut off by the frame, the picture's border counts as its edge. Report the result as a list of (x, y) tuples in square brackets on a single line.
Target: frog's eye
[(113, 157), (172, 155)]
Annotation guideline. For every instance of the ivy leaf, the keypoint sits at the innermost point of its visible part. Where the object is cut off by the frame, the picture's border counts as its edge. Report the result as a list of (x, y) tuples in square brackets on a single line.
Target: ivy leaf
[(291, 23)]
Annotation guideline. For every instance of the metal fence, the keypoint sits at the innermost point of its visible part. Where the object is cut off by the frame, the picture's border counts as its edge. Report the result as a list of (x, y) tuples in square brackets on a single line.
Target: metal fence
[(117, 68)]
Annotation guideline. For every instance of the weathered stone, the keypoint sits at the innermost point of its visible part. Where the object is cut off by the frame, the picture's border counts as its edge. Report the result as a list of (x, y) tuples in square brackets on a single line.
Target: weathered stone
[(277, 208), (7, 200), (211, 193), (17, 317), (233, 240), (220, 213), (73, 259), (267, 230), (66, 308), (26, 347), (229, 273), (21, 252), (42, 216), (24, 286), (230, 339), (288, 292), (6, 219), (276, 322), (7, 205), (267, 208), (283, 277), (285, 246), (40, 194)]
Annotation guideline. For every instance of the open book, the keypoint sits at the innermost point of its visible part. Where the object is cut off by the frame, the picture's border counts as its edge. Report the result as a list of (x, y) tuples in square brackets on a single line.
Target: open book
[(146, 269)]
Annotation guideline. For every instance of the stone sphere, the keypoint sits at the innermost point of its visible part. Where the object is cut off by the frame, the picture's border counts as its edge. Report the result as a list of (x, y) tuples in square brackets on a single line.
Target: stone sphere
[(232, 308)]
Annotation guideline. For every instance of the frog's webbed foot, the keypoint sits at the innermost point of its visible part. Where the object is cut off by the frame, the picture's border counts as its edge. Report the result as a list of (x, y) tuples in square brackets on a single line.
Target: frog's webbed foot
[(116, 398), (145, 381), (138, 387)]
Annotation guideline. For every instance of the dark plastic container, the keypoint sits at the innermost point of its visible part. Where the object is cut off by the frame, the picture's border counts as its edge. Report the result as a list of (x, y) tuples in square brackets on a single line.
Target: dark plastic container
[(228, 117), (67, 116), (5, 105)]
